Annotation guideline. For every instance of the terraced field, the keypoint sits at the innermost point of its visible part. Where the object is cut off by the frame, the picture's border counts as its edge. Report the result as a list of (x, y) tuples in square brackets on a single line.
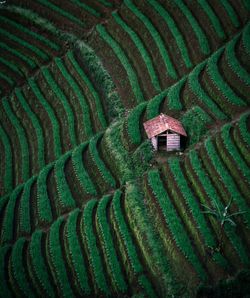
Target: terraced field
[(87, 208)]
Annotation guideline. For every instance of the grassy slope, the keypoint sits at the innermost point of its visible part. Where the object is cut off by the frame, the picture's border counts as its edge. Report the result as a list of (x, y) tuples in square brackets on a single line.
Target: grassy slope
[(120, 158)]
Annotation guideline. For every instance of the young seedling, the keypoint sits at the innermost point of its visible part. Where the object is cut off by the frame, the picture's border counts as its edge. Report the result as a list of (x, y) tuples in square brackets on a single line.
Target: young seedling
[(223, 216)]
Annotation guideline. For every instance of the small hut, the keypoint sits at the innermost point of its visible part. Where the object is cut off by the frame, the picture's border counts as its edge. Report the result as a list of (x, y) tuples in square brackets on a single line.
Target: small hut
[(165, 133)]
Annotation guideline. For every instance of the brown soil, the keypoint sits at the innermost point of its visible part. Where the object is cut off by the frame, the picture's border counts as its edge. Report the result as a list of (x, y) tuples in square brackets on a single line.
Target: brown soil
[(113, 65)]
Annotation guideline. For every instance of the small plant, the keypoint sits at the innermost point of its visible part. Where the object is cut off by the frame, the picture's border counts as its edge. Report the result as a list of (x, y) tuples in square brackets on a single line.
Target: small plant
[(223, 216)]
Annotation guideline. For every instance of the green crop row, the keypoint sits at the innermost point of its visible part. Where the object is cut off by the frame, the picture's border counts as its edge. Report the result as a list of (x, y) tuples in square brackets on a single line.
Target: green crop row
[(4, 290), (234, 63), (18, 277), (215, 21), (198, 30), (8, 174), (109, 246), (66, 200), (61, 96), (97, 109), (133, 124), (244, 132), (125, 234), (216, 77), (132, 77), (174, 95), (153, 105), (74, 254), (93, 251), (245, 39), (44, 212), (231, 13), (141, 48), (82, 100), (206, 100), (97, 160), (80, 170), (226, 179), (29, 60), (12, 66), (173, 222), (24, 220), (55, 125), (103, 80), (174, 30), (40, 53), (156, 37), (7, 78), (146, 285), (35, 122), (33, 34), (8, 225), (212, 194), (112, 145), (233, 152), (87, 8), (37, 267), (56, 260), (191, 202), (51, 6)]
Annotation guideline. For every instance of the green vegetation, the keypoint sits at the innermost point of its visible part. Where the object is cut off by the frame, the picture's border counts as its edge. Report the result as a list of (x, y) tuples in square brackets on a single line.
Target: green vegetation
[(87, 207)]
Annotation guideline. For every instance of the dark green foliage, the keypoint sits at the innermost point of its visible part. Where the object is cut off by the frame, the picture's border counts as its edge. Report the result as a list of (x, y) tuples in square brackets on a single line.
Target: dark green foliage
[(108, 244), (74, 254), (93, 250), (38, 268), (195, 122), (56, 261)]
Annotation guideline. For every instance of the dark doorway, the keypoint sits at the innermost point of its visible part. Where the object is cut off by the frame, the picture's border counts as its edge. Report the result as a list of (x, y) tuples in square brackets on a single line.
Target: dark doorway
[(162, 143)]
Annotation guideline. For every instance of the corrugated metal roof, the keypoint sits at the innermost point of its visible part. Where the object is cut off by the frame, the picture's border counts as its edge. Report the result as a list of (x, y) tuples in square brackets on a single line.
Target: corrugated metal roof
[(162, 123)]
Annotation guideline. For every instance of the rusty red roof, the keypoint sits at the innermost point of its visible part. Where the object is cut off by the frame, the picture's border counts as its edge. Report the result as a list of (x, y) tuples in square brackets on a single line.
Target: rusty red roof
[(162, 123)]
